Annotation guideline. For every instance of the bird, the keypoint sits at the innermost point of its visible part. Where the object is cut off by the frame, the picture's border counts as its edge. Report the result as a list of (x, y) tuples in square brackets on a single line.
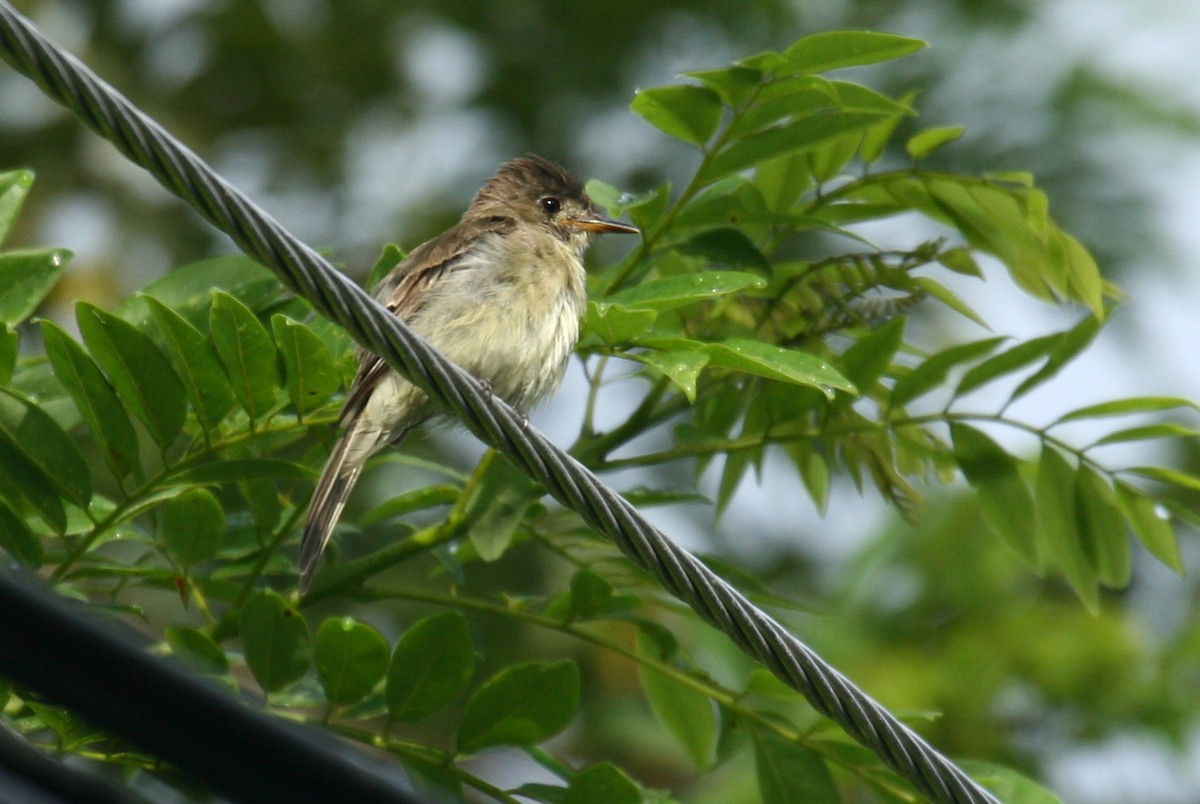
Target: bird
[(500, 293)]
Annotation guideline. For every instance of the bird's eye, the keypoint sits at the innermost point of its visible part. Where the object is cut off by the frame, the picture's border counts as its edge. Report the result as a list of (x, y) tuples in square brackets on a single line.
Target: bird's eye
[(551, 204)]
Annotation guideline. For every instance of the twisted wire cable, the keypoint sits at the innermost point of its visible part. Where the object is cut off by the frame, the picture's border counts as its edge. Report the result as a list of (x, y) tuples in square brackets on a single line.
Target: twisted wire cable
[(301, 269)]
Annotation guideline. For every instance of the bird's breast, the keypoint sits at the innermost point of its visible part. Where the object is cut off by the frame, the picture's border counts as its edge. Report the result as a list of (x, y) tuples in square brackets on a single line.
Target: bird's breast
[(508, 313)]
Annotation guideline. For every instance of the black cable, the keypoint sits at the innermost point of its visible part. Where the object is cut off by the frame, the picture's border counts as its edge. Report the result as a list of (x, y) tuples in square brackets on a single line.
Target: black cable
[(100, 674), (143, 141)]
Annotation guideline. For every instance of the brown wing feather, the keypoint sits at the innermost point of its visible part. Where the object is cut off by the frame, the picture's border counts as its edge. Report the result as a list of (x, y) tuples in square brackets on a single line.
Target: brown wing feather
[(402, 292)]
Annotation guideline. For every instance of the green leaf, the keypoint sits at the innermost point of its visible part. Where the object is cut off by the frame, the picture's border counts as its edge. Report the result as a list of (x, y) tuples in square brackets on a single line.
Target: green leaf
[(925, 142), (275, 641), (1066, 347), (141, 373), (826, 161), (647, 208), (833, 50), (866, 361), (644, 497), (738, 201), (263, 501), (1008, 221), (71, 731), (786, 100), (188, 289), (1083, 275), (20, 478), (18, 540), (683, 711), (733, 84), (615, 324), (125, 572), (193, 525), (592, 597), (10, 347), (726, 246), (605, 195), (1172, 477), (767, 61), (312, 374), (351, 658), (943, 294), (432, 780), (522, 705), (878, 136), (44, 445), (1102, 528), (36, 380), (206, 384), (247, 352), (198, 649), (777, 363), (1148, 432), (603, 782), (14, 186), (836, 215), (685, 112), (1121, 407), (431, 666), (94, 397), (803, 135), (960, 261), (998, 221), (732, 200), (25, 279), (854, 97), (1005, 363), (496, 510), (539, 792), (1151, 525), (815, 474), (678, 291), (932, 372), (1007, 784), (1061, 543), (1004, 498), (391, 256), (736, 465), (415, 500), (416, 464), (240, 469), (762, 683), (789, 773), (782, 181), (680, 366)]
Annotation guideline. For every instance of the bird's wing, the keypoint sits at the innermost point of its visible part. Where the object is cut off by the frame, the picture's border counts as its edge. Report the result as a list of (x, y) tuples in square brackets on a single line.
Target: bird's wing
[(403, 291)]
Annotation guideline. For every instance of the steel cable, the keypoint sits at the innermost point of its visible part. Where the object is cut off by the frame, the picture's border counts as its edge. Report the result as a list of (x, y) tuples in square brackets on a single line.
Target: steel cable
[(302, 270)]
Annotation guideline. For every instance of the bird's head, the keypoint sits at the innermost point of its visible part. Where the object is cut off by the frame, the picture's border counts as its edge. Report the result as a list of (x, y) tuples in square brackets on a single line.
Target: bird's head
[(539, 192)]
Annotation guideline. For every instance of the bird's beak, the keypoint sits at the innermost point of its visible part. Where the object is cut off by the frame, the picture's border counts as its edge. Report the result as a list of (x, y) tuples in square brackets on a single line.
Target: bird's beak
[(598, 225)]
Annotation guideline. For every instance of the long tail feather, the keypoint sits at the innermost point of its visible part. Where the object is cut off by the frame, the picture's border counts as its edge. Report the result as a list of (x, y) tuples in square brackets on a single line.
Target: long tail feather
[(328, 500)]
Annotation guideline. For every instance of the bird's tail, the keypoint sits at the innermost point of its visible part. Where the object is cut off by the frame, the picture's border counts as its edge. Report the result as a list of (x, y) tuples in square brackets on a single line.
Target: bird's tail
[(328, 500)]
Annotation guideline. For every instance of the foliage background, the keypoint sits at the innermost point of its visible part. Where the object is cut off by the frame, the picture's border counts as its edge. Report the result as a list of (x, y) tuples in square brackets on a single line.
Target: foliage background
[(427, 103)]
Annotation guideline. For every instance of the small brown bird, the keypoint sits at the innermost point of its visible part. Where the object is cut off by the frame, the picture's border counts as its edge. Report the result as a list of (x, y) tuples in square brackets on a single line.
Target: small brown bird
[(500, 294)]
